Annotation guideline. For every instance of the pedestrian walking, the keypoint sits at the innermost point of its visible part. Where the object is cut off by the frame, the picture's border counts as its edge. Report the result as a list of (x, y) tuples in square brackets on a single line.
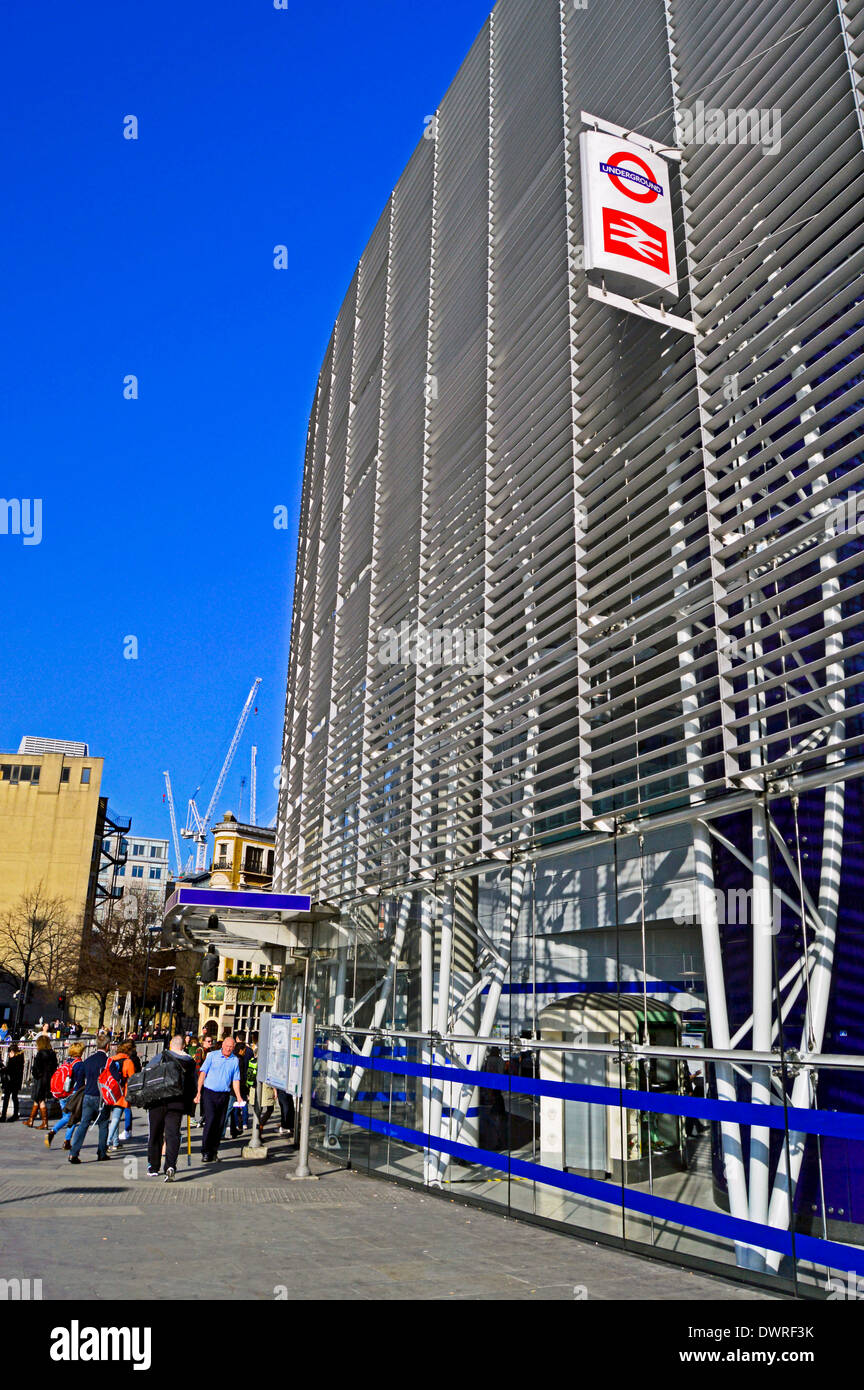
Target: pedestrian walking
[(165, 1118), (492, 1113), (263, 1095), (5, 1035), (127, 1113), (11, 1079), (218, 1078), (85, 1077), (67, 1119), (123, 1067), (286, 1112), (198, 1057), (44, 1067), (243, 1053)]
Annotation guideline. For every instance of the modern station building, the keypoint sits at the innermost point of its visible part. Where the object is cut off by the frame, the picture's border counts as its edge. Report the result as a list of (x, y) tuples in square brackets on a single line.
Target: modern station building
[(574, 736)]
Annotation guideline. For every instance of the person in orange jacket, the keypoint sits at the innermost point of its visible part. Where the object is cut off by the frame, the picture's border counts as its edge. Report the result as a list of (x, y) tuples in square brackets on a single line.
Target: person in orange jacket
[(125, 1069)]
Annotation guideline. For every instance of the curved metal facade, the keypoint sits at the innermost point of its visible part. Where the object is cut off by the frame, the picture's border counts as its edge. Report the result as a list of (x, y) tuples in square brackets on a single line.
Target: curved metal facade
[(639, 530)]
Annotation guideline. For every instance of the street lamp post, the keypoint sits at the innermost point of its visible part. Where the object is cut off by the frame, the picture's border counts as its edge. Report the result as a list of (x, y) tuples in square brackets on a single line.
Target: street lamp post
[(146, 981)]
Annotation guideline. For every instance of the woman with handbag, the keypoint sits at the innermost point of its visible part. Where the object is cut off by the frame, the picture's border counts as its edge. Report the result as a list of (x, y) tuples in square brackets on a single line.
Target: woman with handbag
[(44, 1067)]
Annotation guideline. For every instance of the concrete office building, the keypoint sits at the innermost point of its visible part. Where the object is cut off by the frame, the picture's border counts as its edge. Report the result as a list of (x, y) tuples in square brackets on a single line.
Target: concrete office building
[(573, 738), (50, 814), (52, 819)]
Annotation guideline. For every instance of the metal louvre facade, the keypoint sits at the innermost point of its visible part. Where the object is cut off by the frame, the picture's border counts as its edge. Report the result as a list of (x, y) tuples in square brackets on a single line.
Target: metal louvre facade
[(577, 629)]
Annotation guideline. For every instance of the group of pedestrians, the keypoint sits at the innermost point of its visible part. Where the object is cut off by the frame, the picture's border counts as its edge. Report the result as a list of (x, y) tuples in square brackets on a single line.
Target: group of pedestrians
[(216, 1079)]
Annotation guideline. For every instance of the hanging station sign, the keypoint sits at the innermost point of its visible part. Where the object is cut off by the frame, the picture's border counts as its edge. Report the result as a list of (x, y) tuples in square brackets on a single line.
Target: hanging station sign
[(627, 219)]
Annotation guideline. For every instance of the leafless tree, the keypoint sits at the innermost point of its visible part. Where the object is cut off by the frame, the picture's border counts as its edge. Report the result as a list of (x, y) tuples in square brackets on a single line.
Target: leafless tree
[(39, 941)]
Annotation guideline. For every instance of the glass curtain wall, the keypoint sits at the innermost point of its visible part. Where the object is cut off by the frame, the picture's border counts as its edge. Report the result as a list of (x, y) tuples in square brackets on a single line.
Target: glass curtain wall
[(625, 1037)]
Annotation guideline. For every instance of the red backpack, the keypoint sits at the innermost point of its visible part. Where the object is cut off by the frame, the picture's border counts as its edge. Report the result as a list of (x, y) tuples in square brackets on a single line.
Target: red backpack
[(110, 1089), (62, 1080)]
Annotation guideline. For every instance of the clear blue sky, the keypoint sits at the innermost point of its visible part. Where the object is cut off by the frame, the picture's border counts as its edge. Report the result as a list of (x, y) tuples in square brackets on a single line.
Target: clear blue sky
[(154, 257)]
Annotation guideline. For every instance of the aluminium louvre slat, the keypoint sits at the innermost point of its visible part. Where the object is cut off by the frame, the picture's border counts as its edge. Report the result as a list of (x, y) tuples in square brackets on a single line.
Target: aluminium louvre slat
[(784, 709), (790, 415), (746, 324), (759, 602), (608, 686), (690, 540), (813, 610), (737, 306), (766, 378), (804, 459)]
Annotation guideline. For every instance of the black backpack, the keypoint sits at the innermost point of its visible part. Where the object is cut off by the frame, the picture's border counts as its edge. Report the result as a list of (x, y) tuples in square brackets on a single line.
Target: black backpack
[(157, 1083)]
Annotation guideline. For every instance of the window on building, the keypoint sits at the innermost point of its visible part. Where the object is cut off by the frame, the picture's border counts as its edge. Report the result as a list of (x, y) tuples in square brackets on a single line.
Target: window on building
[(155, 852), (64, 774), (137, 870), (120, 871), (137, 849), (26, 774), (155, 873), (270, 861), (85, 776), (35, 778), (254, 859), (106, 846), (5, 772), (16, 773), (223, 852)]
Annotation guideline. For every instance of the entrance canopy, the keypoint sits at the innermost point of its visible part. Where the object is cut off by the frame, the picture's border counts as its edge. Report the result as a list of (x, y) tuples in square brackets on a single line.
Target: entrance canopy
[(234, 921)]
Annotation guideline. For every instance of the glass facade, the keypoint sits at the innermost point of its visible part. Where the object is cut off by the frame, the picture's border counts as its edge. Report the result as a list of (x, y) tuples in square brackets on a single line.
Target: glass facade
[(538, 1038)]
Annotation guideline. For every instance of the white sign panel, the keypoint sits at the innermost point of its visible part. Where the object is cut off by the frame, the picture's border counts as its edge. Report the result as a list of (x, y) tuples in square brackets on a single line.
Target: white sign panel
[(295, 1055), (284, 1065), (627, 211)]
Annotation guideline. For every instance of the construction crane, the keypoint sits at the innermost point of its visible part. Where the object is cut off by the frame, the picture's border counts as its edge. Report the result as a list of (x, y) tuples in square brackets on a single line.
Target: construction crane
[(198, 826), (253, 789), (170, 795)]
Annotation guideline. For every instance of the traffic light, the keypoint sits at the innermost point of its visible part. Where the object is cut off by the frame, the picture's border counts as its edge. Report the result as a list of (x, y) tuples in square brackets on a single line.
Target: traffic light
[(61, 1001)]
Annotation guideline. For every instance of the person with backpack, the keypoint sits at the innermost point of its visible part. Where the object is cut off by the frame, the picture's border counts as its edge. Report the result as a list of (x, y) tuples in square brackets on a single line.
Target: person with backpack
[(44, 1067), (165, 1117), (86, 1076), (61, 1090), (122, 1067), (11, 1078), (127, 1113)]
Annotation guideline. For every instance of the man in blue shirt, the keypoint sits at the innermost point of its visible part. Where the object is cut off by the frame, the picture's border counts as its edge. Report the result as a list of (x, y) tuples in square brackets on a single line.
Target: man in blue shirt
[(219, 1075), (85, 1074)]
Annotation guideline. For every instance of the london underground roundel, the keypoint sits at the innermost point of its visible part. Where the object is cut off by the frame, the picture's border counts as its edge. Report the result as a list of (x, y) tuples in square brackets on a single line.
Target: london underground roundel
[(637, 183)]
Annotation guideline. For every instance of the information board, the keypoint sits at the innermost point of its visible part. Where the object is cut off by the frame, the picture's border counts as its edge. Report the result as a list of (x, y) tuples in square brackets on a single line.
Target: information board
[(284, 1068)]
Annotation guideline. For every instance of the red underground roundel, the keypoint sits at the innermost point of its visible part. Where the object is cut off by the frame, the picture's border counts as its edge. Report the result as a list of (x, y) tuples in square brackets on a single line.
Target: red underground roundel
[(640, 186)]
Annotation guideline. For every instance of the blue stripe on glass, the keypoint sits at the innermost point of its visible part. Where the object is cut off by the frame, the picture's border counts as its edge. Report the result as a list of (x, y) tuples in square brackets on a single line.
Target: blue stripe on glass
[(824, 1252), (834, 1124), (603, 987)]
